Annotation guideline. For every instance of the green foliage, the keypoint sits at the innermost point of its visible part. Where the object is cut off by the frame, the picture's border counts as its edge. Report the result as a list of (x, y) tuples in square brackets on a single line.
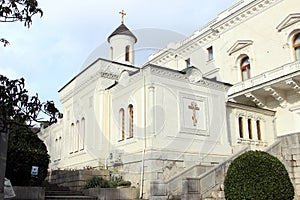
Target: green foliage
[(15, 103), (18, 10), (25, 150), (259, 176), (124, 183), (16, 106), (99, 182)]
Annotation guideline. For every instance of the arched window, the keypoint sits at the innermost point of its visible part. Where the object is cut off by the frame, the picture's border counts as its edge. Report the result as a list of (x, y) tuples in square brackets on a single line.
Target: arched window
[(127, 53), (296, 46), (241, 127), (77, 136), (111, 53), (258, 130), (122, 124), (250, 129), (82, 134), (245, 68), (71, 139), (130, 112)]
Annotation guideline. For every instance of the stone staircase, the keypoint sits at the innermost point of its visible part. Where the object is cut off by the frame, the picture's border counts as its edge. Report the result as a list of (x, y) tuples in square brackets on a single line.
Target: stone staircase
[(209, 186), (287, 150), (55, 192)]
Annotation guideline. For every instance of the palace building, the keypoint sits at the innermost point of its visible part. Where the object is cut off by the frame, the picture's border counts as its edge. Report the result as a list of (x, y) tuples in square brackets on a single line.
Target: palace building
[(233, 84)]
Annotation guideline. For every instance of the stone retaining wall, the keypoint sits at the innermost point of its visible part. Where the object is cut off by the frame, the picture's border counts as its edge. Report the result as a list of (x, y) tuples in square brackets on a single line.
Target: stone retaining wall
[(75, 180), (29, 193), (113, 193)]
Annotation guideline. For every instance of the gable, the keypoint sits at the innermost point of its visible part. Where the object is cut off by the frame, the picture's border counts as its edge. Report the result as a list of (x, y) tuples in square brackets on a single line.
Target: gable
[(289, 20), (238, 45)]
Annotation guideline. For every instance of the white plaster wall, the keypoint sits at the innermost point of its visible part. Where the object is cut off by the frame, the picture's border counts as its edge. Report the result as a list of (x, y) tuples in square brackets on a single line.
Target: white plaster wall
[(119, 43), (267, 126), (270, 48)]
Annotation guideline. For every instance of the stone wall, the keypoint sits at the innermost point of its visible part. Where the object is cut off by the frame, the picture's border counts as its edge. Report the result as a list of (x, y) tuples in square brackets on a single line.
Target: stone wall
[(113, 193), (29, 193), (287, 150), (74, 180)]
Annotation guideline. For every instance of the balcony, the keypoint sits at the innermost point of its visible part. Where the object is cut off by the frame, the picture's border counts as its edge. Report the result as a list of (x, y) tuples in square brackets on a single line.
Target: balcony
[(270, 89)]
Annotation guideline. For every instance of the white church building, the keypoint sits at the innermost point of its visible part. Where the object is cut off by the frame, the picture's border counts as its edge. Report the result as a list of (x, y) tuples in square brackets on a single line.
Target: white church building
[(231, 84)]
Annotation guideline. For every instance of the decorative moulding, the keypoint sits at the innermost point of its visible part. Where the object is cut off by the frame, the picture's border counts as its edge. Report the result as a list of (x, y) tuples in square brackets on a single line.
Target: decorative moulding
[(288, 21), (238, 45)]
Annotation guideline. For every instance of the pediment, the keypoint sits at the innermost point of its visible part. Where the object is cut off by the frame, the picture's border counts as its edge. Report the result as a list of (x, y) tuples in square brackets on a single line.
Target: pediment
[(289, 20), (238, 45)]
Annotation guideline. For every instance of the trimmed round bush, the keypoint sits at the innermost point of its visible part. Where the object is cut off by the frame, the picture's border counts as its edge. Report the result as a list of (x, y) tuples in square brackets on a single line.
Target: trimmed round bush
[(257, 175)]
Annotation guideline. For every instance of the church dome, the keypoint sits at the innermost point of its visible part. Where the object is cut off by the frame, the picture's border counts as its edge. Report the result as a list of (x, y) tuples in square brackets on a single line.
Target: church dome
[(122, 30)]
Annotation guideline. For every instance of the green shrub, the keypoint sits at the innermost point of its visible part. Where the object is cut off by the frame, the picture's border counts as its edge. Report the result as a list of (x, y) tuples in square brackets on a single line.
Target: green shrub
[(124, 183), (259, 176), (99, 182)]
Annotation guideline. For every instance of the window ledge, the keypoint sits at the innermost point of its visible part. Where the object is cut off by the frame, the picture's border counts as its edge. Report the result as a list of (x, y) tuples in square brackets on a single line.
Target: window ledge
[(127, 141), (252, 142), (210, 61)]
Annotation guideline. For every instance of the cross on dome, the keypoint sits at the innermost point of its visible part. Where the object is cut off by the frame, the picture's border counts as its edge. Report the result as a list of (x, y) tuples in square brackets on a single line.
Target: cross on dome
[(123, 14)]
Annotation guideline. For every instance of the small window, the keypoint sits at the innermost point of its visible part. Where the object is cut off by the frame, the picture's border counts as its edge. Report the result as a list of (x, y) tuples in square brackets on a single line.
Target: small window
[(127, 53), (188, 62), (72, 135), (258, 130), (296, 46), (122, 124), (130, 109), (250, 129), (241, 127), (111, 53), (245, 68), (210, 53), (82, 134), (77, 136)]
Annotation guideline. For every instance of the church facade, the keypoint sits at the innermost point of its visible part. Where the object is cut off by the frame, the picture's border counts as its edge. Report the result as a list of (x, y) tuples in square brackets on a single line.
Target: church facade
[(233, 83)]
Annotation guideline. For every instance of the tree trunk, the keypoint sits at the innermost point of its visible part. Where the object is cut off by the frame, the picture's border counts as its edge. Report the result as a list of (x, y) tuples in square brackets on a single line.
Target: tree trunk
[(3, 156)]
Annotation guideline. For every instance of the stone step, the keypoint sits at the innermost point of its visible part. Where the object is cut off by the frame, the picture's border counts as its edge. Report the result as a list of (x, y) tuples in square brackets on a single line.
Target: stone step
[(63, 193), (71, 197), (66, 194)]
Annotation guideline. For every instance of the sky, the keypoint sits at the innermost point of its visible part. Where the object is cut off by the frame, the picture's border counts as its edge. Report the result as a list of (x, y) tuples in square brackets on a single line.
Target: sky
[(53, 50)]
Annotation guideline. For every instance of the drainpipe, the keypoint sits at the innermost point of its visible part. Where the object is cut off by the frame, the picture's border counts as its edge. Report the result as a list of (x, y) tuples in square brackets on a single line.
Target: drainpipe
[(144, 149), (142, 175)]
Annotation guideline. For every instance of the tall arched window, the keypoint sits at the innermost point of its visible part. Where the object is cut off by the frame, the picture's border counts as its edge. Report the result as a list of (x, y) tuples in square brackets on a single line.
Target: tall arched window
[(77, 136), (245, 68), (122, 124), (130, 112), (82, 134), (250, 129), (296, 46), (241, 127), (127, 53), (258, 129), (71, 139)]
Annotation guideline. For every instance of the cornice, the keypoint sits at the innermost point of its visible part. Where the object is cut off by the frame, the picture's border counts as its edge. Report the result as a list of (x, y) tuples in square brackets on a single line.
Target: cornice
[(250, 108), (179, 76), (87, 81), (230, 18)]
